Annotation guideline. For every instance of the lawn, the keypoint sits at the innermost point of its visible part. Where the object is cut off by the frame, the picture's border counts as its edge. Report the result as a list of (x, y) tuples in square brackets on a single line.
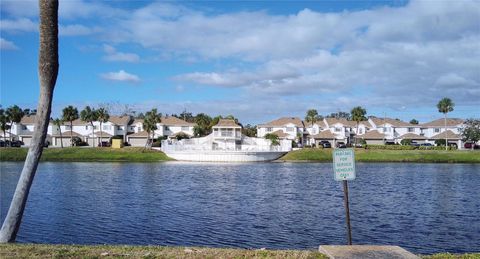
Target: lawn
[(378, 155), (81, 154)]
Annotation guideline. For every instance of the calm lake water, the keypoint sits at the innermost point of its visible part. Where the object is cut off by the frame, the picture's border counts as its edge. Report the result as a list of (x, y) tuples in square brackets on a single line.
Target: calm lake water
[(425, 208)]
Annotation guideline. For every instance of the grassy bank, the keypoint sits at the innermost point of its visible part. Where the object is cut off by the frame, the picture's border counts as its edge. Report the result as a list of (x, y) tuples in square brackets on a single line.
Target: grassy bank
[(75, 251), (375, 155), (77, 154)]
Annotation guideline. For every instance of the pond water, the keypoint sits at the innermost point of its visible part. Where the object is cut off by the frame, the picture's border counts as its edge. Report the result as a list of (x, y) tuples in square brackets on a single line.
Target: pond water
[(425, 208)]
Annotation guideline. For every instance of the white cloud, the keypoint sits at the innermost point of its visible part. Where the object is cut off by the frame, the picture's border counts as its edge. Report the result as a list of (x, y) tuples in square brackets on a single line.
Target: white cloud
[(121, 76), (77, 30), (113, 55), (7, 45), (18, 25)]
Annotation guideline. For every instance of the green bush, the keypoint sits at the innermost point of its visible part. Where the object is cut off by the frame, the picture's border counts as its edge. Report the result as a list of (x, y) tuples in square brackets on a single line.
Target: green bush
[(273, 138), (406, 142), (440, 142), (398, 147)]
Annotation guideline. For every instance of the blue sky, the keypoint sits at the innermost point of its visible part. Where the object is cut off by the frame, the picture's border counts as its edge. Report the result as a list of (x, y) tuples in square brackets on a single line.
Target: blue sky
[(257, 60)]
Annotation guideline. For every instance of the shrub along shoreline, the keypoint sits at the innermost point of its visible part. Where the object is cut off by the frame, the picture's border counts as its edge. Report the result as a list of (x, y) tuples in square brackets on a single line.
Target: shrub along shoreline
[(138, 154)]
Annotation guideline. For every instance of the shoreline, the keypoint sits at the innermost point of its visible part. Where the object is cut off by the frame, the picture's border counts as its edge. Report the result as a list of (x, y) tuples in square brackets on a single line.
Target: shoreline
[(307, 155), (26, 250)]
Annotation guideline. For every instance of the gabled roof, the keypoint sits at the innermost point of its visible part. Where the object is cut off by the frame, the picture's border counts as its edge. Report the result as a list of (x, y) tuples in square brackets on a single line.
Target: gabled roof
[(441, 123), (320, 124), (396, 123), (139, 134), (174, 121), (373, 134), (326, 134), (284, 121), (97, 134), (226, 123), (28, 119), (120, 120), (77, 122), (345, 122), (412, 136), (66, 134), (280, 134), (449, 133)]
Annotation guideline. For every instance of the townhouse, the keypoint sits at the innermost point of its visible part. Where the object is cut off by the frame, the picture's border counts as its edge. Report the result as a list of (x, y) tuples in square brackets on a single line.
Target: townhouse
[(292, 128)]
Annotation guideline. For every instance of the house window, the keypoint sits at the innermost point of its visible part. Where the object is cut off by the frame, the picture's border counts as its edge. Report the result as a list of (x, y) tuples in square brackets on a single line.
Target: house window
[(338, 129), (86, 127), (67, 127), (437, 130), (139, 128), (290, 129), (184, 128), (360, 131), (107, 127), (167, 128), (95, 127), (24, 127), (269, 129), (411, 129)]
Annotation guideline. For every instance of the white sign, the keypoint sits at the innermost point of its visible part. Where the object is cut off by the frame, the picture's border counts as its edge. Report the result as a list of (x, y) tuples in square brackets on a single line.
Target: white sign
[(344, 164)]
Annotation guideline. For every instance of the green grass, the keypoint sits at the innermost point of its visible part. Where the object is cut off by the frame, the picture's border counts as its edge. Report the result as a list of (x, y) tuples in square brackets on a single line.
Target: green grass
[(86, 154), (74, 251), (102, 251), (377, 155)]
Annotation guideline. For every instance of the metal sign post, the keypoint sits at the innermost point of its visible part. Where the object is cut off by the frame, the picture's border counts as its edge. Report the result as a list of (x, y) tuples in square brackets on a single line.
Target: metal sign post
[(344, 169)]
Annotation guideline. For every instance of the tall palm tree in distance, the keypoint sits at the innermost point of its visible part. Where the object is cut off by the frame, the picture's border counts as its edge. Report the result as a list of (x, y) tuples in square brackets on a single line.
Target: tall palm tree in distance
[(358, 114), (70, 114), (47, 72), (58, 122), (150, 123), (445, 106), (89, 115), (312, 116), (4, 126), (15, 115), (102, 117)]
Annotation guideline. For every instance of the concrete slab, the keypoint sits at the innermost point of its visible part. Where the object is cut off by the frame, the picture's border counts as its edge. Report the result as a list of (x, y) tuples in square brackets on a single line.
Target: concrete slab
[(365, 252)]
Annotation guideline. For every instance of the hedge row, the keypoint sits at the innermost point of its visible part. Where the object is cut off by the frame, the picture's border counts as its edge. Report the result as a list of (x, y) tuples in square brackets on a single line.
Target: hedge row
[(401, 147)]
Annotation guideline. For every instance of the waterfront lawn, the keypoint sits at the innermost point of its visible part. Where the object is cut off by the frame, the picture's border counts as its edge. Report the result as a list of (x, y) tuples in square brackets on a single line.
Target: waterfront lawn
[(100, 251), (75, 251), (86, 154), (378, 155)]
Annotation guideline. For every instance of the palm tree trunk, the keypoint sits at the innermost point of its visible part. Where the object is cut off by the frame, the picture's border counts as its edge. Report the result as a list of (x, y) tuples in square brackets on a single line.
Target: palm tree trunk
[(61, 137), (93, 133), (446, 139), (71, 134), (148, 136), (5, 139), (100, 141), (10, 132), (48, 71)]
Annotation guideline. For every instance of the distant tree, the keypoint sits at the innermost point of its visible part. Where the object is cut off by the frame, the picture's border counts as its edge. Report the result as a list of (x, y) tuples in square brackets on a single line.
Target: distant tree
[(203, 126), (414, 122), (187, 116), (215, 120), (15, 115), (445, 106), (4, 126), (273, 138), (181, 135), (140, 116), (30, 111), (58, 122), (406, 142), (150, 123), (339, 115), (102, 117), (249, 130), (312, 116), (471, 131), (70, 114), (358, 115), (47, 73), (440, 142), (89, 115)]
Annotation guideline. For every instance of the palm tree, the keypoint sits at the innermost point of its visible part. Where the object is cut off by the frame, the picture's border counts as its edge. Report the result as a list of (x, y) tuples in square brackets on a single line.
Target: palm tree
[(15, 115), (150, 123), (58, 122), (358, 114), (70, 114), (445, 106), (47, 71), (102, 117), (89, 115), (312, 116), (4, 126)]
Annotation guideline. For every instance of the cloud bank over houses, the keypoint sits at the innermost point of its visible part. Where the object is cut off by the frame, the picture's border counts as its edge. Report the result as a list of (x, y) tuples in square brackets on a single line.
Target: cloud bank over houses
[(395, 58)]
